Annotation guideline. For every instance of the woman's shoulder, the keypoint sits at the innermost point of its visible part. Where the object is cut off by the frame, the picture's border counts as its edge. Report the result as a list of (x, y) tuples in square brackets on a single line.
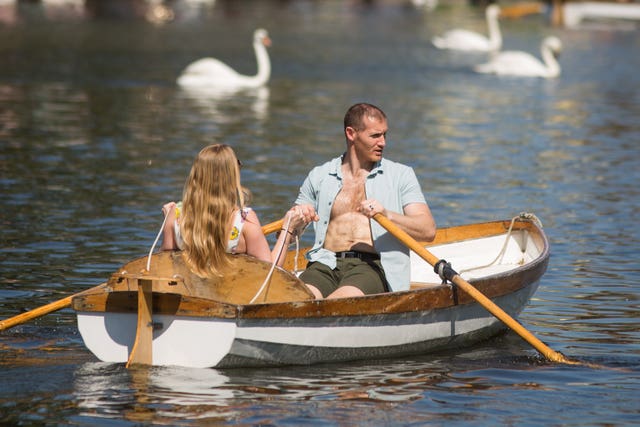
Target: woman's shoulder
[(249, 224), (244, 213)]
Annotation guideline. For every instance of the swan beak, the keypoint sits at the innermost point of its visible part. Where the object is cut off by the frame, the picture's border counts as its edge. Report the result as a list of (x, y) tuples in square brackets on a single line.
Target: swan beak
[(266, 41)]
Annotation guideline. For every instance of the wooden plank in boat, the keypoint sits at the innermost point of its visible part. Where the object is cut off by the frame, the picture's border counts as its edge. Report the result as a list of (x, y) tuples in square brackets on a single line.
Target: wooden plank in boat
[(163, 303), (239, 283), (471, 231), (142, 352)]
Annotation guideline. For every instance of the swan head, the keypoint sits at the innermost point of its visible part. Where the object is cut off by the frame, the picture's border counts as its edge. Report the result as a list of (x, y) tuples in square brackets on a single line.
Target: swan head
[(493, 10), (261, 36), (553, 43)]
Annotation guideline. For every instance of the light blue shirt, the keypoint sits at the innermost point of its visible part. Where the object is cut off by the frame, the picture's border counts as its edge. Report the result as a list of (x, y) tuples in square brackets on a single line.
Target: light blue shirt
[(393, 184)]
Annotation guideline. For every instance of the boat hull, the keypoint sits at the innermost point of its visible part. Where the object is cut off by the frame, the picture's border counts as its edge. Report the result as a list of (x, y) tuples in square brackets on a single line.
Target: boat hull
[(183, 341), (202, 342), (367, 337), (199, 332)]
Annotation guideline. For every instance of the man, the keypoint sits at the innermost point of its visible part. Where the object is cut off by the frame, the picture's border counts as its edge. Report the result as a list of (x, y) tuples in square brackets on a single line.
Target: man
[(353, 255)]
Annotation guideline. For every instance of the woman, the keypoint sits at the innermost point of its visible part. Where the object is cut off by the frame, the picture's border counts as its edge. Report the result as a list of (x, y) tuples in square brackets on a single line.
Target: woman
[(212, 220)]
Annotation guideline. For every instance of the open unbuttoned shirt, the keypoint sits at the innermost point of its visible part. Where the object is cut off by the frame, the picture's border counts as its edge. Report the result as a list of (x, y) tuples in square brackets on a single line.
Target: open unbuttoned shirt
[(393, 184)]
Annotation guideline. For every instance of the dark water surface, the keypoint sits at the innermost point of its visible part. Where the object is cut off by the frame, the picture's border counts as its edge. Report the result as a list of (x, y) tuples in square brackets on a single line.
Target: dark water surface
[(95, 137)]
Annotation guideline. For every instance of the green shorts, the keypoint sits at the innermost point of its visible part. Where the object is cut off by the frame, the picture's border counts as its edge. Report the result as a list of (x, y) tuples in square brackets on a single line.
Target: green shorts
[(368, 276)]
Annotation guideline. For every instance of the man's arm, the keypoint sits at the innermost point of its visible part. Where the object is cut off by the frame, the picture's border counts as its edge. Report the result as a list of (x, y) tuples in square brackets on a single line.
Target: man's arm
[(416, 219)]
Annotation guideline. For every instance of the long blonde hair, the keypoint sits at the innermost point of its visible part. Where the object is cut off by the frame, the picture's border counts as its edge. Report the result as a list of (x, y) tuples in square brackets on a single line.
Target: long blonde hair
[(211, 194)]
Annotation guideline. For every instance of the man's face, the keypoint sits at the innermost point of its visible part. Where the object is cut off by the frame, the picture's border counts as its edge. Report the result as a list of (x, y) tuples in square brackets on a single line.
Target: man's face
[(369, 142)]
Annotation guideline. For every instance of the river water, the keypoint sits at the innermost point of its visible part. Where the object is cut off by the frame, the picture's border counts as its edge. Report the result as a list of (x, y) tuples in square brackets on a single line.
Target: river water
[(95, 136)]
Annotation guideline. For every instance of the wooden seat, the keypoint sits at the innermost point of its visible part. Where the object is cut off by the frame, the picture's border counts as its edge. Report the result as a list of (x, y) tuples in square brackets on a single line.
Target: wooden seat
[(239, 283)]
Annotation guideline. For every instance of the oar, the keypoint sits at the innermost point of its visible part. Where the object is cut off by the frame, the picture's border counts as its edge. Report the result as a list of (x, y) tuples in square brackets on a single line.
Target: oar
[(518, 10), (66, 302), (272, 227), (45, 309), (454, 277)]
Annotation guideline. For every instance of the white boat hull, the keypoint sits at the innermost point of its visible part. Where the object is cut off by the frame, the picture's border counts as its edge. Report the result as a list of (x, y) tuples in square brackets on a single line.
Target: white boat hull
[(201, 343), (182, 341), (382, 337)]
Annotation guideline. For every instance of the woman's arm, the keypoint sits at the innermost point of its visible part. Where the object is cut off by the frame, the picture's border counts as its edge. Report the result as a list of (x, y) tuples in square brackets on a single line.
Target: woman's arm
[(293, 224), (168, 232), (257, 244)]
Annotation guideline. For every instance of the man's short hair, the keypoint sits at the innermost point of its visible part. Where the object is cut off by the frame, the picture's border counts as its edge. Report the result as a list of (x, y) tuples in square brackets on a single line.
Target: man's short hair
[(355, 115)]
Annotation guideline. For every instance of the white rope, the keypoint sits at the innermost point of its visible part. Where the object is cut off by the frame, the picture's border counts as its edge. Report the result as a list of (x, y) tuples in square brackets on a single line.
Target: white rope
[(531, 217), (267, 280), (297, 255), (295, 258), (155, 242), (522, 215)]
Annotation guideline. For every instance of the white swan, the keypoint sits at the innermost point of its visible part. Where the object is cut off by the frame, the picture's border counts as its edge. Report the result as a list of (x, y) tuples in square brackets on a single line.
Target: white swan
[(211, 72), (425, 4), (471, 41), (514, 63)]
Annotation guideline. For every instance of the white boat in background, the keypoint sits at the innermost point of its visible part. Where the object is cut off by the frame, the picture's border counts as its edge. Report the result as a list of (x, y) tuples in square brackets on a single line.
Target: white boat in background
[(165, 315), (575, 12)]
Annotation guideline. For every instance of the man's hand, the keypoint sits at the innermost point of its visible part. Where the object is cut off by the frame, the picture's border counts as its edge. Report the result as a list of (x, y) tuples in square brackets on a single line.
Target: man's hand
[(370, 207)]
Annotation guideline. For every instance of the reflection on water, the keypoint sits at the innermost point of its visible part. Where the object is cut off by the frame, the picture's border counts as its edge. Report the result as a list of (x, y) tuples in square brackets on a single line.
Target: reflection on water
[(215, 104), (103, 390), (143, 394), (95, 137), (426, 389)]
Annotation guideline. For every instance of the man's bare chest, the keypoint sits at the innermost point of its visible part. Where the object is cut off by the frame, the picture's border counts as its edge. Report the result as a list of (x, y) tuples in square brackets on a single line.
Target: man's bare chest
[(348, 199)]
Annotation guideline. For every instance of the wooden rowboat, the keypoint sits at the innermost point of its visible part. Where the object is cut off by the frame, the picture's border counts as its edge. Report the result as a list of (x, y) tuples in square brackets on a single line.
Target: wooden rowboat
[(168, 316)]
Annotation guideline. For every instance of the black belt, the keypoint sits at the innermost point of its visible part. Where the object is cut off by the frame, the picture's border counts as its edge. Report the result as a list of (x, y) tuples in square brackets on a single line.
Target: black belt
[(364, 256)]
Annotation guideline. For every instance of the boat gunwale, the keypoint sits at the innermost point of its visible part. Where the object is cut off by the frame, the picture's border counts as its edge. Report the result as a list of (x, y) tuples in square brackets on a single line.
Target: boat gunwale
[(436, 296)]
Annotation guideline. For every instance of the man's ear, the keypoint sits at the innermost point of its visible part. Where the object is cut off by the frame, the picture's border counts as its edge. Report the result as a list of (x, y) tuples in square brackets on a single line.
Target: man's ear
[(350, 133)]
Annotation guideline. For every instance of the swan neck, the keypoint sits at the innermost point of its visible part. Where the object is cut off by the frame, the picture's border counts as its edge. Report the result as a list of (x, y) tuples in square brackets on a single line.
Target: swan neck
[(550, 61), (264, 64), (495, 36)]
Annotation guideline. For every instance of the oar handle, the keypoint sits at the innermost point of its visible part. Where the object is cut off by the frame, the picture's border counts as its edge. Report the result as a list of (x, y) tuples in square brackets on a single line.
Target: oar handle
[(272, 227), (407, 240), (489, 305)]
